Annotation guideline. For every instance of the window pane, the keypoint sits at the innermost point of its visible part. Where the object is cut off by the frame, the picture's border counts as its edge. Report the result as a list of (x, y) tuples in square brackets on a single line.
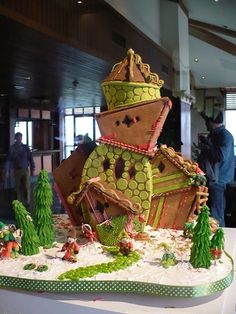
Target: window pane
[(78, 110), (21, 127), (69, 130), (84, 125), (97, 131), (30, 135), (88, 110), (68, 150), (68, 110)]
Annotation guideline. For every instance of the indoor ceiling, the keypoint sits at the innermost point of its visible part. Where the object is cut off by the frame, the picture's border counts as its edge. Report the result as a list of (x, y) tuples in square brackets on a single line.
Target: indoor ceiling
[(38, 69), (212, 40)]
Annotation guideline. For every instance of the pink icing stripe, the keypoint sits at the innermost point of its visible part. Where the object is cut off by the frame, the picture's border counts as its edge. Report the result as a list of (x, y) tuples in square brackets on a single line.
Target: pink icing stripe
[(92, 204)]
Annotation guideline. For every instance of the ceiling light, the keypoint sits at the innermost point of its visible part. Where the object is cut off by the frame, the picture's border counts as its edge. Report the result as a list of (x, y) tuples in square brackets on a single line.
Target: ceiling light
[(79, 2), (19, 87), (3, 95), (27, 78), (203, 77), (196, 60)]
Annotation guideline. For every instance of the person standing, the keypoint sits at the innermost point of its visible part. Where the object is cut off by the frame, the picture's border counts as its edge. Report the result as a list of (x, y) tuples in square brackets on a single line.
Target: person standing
[(217, 160), (19, 160)]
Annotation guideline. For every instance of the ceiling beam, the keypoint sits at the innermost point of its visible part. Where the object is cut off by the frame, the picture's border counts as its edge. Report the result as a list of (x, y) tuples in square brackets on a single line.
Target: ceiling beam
[(211, 27), (213, 39)]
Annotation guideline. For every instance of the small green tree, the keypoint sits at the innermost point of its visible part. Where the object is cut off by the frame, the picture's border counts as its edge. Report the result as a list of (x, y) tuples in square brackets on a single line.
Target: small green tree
[(43, 213), (30, 240), (200, 251), (217, 243)]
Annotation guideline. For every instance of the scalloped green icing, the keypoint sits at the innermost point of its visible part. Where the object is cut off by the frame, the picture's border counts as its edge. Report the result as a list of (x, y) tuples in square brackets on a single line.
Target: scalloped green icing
[(120, 262)]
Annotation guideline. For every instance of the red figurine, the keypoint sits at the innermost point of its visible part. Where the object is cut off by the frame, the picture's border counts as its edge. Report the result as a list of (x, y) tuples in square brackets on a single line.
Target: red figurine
[(71, 249)]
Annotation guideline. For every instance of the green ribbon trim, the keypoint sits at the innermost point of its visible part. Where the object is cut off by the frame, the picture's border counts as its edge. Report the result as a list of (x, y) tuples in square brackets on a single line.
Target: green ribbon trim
[(116, 286)]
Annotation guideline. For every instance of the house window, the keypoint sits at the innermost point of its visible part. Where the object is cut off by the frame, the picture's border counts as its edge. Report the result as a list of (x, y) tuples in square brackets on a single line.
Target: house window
[(230, 115), (79, 120)]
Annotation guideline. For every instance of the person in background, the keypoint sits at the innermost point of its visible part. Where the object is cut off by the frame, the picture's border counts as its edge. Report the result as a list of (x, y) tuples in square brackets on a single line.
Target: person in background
[(19, 161), (217, 160), (85, 143)]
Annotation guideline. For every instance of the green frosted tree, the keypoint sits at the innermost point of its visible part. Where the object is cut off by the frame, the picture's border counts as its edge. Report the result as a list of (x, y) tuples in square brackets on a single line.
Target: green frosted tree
[(217, 243), (200, 251), (43, 210), (29, 240)]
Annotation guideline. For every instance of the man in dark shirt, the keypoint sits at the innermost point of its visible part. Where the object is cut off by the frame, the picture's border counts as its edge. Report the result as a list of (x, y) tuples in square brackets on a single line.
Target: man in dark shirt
[(217, 160), (19, 160)]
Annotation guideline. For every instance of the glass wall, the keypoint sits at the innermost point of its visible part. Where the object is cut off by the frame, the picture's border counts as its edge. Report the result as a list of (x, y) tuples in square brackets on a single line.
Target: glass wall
[(79, 121), (25, 127)]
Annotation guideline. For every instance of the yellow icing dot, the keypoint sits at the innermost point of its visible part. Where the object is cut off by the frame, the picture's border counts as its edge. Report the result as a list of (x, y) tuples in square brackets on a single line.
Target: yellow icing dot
[(121, 95), (145, 89), (103, 176), (145, 96), (137, 199), (138, 166), (117, 151), (146, 204), (136, 192), (85, 179), (110, 155), (88, 163), (112, 161), (122, 184), (126, 155), (133, 184), (112, 90), (110, 179), (144, 195), (126, 169), (102, 150), (141, 186), (109, 172), (128, 193), (130, 94), (125, 175), (92, 172), (140, 177), (93, 155), (151, 91), (144, 161), (136, 156), (136, 98), (112, 185), (138, 91), (95, 163), (100, 169), (127, 163)]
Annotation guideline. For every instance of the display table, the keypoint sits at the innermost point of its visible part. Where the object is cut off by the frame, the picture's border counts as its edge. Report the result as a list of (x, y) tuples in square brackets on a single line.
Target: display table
[(20, 302)]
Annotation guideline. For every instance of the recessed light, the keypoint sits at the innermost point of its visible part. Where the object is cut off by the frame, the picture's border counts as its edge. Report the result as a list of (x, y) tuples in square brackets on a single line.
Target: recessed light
[(203, 77), (19, 87), (196, 59), (79, 2), (27, 78), (3, 95)]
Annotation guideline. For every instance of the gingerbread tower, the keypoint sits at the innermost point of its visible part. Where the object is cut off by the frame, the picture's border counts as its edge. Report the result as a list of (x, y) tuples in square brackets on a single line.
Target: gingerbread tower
[(127, 181)]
